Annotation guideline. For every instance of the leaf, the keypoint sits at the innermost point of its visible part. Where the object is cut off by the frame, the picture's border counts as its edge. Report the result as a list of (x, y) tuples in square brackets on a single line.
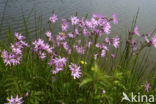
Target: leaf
[(85, 81)]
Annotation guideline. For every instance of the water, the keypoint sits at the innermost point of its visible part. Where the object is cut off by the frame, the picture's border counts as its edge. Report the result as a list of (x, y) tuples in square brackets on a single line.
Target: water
[(126, 9)]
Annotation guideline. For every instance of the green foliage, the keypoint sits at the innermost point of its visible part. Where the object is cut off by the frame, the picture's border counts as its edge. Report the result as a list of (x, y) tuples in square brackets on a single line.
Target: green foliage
[(102, 81)]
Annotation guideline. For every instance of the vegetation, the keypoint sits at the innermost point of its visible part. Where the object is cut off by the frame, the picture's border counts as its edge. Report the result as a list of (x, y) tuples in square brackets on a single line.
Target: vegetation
[(82, 64)]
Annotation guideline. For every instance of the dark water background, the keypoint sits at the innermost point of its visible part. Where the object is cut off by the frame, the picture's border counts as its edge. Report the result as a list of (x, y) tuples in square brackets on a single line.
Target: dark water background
[(126, 10)]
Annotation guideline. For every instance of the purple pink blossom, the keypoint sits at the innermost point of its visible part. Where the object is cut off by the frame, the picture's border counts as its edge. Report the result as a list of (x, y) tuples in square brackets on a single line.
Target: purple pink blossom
[(79, 49), (61, 36), (114, 17), (19, 36), (103, 53), (14, 57), (75, 70), (136, 30), (95, 56), (65, 25), (106, 28), (103, 91), (154, 41), (16, 100), (134, 45), (115, 41), (53, 18), (59, 64), (40, 47), (49, 36), (10, 59), (112, 55), (81, 23), (74, 20), (147, 86), (71, 35)]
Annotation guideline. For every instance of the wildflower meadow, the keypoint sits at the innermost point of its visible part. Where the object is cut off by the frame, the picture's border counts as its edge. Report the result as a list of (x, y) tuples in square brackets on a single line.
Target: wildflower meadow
[(82, 63)]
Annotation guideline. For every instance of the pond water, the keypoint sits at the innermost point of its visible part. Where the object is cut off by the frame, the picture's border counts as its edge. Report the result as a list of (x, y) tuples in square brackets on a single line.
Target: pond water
[(126, 10)]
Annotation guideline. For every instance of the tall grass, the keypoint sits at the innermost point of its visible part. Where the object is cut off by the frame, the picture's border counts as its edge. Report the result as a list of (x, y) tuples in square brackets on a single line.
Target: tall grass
[(124, 73)]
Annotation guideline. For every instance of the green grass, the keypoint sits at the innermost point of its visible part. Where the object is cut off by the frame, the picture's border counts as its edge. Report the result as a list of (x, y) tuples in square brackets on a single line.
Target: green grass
[(124, 73)]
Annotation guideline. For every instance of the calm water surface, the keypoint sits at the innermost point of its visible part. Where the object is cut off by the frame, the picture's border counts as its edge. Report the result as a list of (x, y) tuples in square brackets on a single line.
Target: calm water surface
[(126, 9)]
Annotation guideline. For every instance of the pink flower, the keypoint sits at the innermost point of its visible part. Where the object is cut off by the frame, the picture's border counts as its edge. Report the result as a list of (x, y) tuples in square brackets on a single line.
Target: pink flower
[(98, 32), (107, 41), (95, 20), (89, 24), (148, 34), (112, 55), (89, 44), (66, 47), (103, 53), (16, 49), (85, 31), (74, 20), (48, 34), (40, 47), (76, 31), (64, 25), (98, 45), (154, 41), (79, 50), (10, 59), (42, 55), (103, 46), (147, 86), (114, 17), (26, 94), (146, 39), (103, 91), (61, 36), (15, 100), (95, 56), (53, 18), (134, 45), (71, 35), (106, 28), (115, 41), (81, 23), (51, 62), (19, 36), (76, 72), (136, 30), (59, 64), (57, 69)]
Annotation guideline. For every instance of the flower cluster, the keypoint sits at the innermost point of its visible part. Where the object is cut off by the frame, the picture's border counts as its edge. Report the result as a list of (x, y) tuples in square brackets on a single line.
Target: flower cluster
[(104, 46), (40, 47), (96, 26), (61, 37), (149, 41), (15, 56), (79, 49)]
